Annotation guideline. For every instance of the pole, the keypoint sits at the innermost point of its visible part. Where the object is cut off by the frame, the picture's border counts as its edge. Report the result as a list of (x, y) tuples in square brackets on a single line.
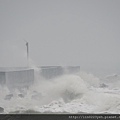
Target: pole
[(27, 53), (27, 45)]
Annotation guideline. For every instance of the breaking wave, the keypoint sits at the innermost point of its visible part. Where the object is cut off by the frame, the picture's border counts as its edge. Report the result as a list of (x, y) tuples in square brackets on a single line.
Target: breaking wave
[(69, 93)]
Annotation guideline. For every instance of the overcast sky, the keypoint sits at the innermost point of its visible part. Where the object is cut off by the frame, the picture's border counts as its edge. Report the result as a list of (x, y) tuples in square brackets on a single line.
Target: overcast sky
[(61, 32)]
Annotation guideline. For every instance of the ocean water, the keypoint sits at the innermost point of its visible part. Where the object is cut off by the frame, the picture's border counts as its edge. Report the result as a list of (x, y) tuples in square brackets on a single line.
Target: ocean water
[(68, 93)]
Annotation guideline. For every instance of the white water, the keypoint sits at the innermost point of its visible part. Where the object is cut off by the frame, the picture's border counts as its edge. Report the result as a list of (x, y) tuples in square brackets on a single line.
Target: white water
[(73, 93)]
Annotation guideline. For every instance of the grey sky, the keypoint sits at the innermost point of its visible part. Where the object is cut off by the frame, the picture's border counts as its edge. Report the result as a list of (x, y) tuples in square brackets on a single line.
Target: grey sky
[(61, 32)]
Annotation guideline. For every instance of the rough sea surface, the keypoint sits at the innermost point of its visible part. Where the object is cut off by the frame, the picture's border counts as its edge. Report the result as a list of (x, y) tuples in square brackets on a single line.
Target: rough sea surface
[(69, 93)]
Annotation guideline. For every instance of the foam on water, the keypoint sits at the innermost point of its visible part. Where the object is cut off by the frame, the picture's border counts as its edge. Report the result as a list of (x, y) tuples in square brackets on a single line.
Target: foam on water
[(70, 93)]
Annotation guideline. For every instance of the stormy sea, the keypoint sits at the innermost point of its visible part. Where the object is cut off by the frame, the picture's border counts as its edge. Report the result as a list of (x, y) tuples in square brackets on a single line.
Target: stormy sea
[(68, 92)]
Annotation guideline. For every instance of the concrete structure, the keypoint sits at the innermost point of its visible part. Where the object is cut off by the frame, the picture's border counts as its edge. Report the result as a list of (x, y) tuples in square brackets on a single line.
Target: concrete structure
[(17, 78), (24, 77), (2, 78), (49, 72), (72, 69)]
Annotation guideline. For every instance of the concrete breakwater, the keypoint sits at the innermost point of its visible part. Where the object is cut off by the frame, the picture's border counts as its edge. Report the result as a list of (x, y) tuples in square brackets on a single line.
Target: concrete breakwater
[(19, 77)]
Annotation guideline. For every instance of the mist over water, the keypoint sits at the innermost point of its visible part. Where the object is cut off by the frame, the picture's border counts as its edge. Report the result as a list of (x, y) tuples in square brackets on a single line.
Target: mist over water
[(68, 93), (64, 32)]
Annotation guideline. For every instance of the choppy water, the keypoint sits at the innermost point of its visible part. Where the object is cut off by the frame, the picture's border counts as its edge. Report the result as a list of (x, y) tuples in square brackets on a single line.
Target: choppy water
[(69, 93)]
